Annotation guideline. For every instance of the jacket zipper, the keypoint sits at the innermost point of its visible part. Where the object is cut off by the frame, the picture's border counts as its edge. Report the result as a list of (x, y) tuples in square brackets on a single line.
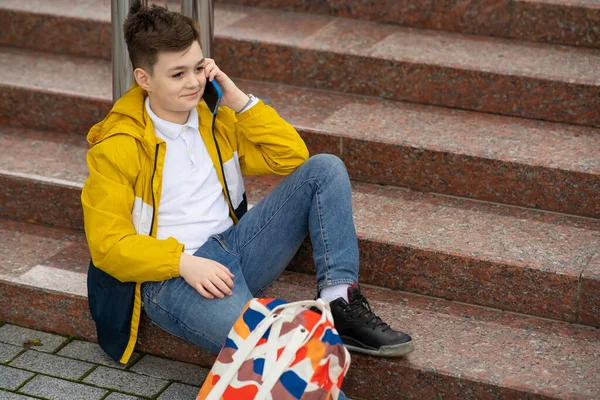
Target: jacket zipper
[(152, 190), (221, 163)]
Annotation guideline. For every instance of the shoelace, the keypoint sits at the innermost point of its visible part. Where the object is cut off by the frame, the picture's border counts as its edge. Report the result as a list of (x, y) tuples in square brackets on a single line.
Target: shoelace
[(362, 308)]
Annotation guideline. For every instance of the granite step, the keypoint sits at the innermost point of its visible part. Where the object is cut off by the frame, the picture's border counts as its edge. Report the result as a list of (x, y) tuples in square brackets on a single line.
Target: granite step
[(571, 22), (503, 257), (462, 351), (501, 159), (503, 76)]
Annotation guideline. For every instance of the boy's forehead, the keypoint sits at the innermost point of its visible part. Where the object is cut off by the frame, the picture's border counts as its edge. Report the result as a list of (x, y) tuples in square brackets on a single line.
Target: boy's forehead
[(188, 57)]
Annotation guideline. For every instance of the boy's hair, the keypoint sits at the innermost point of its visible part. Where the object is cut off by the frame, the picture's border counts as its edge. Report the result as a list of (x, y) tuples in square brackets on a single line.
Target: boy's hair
[(149, 30)]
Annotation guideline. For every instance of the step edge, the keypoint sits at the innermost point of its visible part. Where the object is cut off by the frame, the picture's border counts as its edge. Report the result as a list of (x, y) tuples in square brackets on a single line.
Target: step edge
[(362, 360), (460, 67), (77, 186), (324, 132)]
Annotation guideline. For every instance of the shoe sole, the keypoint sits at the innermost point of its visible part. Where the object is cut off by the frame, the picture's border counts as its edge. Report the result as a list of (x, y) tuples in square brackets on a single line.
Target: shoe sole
[(385, 351)]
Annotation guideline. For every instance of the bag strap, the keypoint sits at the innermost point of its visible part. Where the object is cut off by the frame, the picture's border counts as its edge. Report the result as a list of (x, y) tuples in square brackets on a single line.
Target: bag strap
[(272, 345), (299, 339)]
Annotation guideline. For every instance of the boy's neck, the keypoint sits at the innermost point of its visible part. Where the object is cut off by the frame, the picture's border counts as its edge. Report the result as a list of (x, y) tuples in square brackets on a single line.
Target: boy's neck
[(176, 117)]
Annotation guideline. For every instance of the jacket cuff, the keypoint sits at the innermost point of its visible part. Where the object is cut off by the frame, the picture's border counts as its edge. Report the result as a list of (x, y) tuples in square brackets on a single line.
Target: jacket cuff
[(175, 265)]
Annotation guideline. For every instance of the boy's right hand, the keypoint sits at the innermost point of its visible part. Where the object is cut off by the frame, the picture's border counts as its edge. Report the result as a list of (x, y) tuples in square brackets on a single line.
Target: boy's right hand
[(208, 277)]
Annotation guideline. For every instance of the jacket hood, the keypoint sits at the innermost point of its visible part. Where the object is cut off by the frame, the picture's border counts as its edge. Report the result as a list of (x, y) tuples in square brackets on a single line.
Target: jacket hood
[(127, 116)]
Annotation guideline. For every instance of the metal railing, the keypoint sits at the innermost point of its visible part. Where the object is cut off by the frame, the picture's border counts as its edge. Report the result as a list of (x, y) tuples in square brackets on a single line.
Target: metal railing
[(202, 11), (199, 10)]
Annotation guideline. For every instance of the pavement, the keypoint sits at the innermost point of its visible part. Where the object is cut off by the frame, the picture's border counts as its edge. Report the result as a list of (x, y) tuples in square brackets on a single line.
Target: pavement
[(40, 365)]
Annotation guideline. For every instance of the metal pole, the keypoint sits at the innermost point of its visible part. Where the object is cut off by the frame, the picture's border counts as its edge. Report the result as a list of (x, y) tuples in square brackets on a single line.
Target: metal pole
[(121, 64), (202, 12)]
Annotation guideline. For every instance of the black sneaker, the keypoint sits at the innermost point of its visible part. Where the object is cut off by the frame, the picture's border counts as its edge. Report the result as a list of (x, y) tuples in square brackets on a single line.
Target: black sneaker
[(363, 331)]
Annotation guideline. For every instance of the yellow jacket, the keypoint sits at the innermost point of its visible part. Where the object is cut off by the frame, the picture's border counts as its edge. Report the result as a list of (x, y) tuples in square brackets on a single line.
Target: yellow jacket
[(121, 197)]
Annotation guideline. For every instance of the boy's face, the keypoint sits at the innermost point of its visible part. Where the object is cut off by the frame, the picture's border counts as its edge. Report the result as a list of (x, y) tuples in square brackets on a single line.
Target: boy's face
[(176, 84)]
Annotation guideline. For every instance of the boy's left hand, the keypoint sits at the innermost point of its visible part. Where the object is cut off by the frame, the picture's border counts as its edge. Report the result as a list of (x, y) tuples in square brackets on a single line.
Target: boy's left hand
[(233, 97)]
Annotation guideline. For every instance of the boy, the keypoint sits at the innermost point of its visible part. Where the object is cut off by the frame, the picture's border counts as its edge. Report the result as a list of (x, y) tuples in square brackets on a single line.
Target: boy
[(165, 208)]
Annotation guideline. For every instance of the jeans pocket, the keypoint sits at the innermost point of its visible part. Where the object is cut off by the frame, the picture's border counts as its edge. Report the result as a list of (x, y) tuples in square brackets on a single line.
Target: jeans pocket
[(151, 290), (221, 240)]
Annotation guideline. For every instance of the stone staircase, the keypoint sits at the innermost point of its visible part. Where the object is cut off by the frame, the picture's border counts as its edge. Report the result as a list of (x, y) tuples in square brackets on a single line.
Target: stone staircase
[(471, 131)]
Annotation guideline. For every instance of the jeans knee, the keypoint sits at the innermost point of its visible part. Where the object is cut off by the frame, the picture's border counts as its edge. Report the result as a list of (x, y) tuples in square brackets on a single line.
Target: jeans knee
[(328, 164)]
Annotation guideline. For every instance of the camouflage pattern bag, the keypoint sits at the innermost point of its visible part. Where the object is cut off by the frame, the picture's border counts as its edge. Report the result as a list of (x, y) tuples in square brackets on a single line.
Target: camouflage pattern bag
[(279, 351)]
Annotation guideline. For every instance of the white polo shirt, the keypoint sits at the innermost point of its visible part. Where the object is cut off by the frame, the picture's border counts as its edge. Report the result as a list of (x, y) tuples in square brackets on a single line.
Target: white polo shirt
[(192, 204)]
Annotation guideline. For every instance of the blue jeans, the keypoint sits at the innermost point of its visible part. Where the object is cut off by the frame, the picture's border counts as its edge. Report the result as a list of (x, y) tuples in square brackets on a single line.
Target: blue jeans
[(315, 199)]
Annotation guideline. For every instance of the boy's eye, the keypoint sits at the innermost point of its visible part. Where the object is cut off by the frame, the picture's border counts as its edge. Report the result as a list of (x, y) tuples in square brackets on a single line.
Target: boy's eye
[(178, 75), (199, 68)]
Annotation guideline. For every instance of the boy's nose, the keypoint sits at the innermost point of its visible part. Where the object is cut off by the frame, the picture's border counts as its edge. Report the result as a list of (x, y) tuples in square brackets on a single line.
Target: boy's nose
[(194, 80)]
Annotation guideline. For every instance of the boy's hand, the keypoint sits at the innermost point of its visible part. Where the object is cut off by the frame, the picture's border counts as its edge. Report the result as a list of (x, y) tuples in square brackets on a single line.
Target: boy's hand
[(233, 97), (208, 277)]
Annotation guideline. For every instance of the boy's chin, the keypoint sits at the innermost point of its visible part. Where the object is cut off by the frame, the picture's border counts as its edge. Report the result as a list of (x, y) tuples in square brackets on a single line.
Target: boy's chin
[(187, 106)]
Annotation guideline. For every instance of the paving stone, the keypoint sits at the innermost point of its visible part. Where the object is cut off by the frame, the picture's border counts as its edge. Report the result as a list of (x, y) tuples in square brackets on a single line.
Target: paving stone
[(57, 389), (51, 364), (168, 369), (20, 336), (8, 351), (180, 391), (91, 352), (12, 378), (125, 381), (120, 396), (13, 396)]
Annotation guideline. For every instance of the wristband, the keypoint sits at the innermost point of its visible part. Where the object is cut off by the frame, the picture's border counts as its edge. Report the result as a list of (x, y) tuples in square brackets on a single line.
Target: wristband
[(251, 99)]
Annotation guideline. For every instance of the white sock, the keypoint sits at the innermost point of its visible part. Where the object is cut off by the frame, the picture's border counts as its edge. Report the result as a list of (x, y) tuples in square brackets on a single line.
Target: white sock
[(331, 293)]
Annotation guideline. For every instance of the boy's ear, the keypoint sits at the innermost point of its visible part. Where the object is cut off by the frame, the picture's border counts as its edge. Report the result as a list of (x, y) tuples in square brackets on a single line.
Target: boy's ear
[(142, 78)]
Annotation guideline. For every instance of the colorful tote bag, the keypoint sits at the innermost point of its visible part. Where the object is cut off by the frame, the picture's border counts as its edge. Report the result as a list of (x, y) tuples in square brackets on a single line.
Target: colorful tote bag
[(279, 351)]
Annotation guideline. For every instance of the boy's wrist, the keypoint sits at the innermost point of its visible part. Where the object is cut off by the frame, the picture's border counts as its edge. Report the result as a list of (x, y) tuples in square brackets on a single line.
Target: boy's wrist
[(239, 101), (183, 263)]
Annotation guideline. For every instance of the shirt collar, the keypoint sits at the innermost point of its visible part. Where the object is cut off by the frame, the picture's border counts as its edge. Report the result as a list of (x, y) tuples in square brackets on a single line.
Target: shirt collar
[(171, 129)]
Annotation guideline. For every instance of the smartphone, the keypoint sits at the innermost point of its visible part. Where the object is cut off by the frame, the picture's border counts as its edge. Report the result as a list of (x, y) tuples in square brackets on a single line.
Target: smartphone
[(212, 95)]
